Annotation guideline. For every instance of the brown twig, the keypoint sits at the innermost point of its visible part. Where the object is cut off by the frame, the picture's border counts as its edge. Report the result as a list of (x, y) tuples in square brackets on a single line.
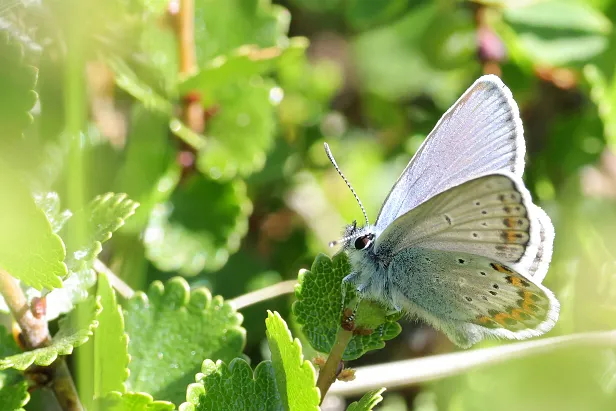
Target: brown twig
[(35, 334), (34, 330), (329, 372), (116, 282), (254, 297)]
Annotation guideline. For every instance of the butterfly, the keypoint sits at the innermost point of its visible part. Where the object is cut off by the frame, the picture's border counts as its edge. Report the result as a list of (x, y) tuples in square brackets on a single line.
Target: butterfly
[(458, 241)]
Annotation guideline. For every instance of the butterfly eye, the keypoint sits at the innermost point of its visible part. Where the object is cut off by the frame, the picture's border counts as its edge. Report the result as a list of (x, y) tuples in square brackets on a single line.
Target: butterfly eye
[(364, 241)]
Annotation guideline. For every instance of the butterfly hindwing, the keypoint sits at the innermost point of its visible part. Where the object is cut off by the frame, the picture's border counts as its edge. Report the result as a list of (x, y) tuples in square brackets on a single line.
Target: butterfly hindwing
[(480, 134), (487, 216), (469, 296)]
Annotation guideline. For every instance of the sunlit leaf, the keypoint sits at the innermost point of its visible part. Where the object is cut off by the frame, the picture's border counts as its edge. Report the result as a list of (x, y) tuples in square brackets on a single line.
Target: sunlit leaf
[(319, 309), (171, 330), (29, 249), (131, 401), (74, 331), (368, 401)]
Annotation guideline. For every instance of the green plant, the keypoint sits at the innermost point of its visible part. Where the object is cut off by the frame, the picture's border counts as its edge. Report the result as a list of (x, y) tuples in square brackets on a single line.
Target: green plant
[(176, 147)]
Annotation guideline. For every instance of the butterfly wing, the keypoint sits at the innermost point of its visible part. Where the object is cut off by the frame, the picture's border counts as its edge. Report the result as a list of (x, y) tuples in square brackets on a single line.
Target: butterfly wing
[(480, 134), (470, 297), (490, 216)]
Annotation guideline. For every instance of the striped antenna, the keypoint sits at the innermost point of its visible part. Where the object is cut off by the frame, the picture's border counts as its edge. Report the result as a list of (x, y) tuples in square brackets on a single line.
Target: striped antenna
[(363, 210)]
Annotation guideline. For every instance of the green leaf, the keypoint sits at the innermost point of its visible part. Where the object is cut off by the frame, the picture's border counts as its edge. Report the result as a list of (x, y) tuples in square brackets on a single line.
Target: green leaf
[(50, 204), (74, 331), (361, 14), (13, 388), (603, 94), (131, 401), (224, 26), (241, 64), (199, 227), (149, 173), (318, 309), (110, 343), (29, 249), (171, 330), (103, 215), (17, 82), (128, 81), (295, 379), (287, 382), (234, 387), (241, 133), (368, 401), (559, 32)]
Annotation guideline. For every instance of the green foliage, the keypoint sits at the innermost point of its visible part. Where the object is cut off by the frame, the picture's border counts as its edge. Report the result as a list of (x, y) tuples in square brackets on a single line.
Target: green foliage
[(75, 330), (554, 32), (294, 375), (319, 309), (368, 401), (220, 141), (29, 249), (284, 383), (13, 388), (180, 237), (131, 401), (171, 330), (110, 343)]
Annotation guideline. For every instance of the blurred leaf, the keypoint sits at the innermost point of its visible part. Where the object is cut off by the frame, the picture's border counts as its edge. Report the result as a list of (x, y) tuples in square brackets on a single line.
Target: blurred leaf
[(368, 401), (50, 204), (295, 377), (131, 401), (199, 227), (449, 41), (17, 82), (319, 5), (186, 134), (603, 94), (220, 387), (318, 309), (285, 383), (75, 330), (361, 14), (223, 26), (29, 249), (13, 387), (160, 44), (559, 32), (240, 134), (384, 57), (239, 65), (110, 343), (171, 330), (128, 81), (148, 174)]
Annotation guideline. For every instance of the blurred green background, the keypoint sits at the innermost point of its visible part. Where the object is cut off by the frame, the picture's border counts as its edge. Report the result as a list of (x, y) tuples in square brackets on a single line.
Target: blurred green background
[(244, 196)]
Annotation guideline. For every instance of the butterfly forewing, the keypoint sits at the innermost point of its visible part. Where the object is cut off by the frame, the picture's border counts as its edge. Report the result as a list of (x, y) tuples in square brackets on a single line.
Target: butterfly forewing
[(487, 216), (481, 134), (454, 288)]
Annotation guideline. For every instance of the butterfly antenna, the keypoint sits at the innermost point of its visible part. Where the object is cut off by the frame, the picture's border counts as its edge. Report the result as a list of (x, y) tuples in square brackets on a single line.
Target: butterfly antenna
[(363, 210)]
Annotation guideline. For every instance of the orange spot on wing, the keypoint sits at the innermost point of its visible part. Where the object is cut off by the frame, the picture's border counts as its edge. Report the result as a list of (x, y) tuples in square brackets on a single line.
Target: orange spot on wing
[(501, 268), (500, 318)]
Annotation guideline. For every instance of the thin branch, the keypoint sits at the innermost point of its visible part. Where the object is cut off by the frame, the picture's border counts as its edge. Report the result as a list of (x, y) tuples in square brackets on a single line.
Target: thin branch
[(267, 293), (192, 112), (34, 330), (329, 372), (35, 334), (409, 372), (116, 282)]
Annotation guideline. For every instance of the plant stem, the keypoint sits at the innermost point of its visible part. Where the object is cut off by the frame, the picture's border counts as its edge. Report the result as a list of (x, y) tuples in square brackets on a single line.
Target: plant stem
[(409, 372), (267, 293), (192, 112), (120, 286), (35, 333), (329, 372)]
